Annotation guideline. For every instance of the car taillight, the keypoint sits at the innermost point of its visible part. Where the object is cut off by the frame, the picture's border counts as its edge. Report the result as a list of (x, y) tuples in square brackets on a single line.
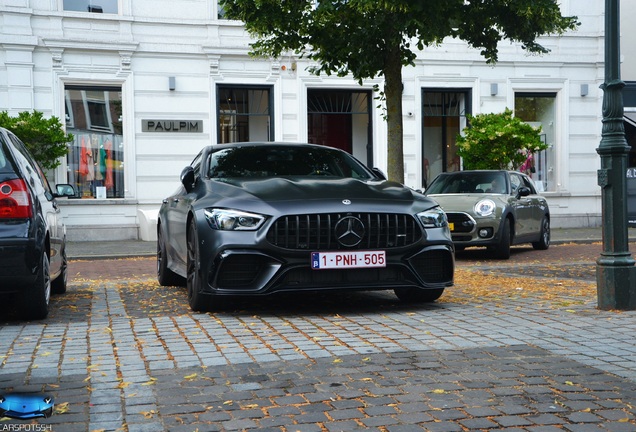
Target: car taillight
[(15, 201)]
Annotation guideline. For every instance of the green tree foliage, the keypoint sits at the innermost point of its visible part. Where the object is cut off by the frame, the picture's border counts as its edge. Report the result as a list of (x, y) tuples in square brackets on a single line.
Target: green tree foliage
[(371, 38), (45, 138), (498, 141)]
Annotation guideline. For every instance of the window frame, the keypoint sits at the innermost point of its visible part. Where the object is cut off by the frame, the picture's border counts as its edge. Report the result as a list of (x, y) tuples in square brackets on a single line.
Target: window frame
[(222, 112), (66, 6)]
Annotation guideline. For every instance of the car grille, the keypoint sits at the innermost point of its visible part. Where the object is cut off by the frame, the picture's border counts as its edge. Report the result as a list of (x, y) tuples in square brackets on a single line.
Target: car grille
[(434, 266), (316, 231), (461, 221)]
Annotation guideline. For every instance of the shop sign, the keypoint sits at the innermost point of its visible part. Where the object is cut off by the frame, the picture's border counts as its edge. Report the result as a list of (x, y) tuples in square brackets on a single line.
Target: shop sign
[(191, 126)]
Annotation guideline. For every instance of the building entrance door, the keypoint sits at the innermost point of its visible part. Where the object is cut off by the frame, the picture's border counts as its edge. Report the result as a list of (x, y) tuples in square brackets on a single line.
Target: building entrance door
[(341, 119)]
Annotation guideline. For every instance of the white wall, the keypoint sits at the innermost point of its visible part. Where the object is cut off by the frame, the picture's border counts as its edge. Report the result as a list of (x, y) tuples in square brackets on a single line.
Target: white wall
[(42, 48)]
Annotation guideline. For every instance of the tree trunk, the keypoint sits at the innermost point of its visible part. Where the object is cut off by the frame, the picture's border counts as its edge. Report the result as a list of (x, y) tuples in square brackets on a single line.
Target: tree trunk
[(393, 93)]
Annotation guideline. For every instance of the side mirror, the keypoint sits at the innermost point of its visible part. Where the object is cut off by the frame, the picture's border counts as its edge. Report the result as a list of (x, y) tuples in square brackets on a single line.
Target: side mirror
[(64, 190), (523, 191), (187, 177), (378, 173)]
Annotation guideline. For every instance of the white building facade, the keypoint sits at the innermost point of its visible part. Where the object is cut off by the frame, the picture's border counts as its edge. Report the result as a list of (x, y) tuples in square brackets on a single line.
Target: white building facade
[(144, 85)]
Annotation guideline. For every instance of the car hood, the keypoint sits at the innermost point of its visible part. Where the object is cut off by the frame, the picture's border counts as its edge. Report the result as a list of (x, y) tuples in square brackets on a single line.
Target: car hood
[(276, 192), (466, 202)]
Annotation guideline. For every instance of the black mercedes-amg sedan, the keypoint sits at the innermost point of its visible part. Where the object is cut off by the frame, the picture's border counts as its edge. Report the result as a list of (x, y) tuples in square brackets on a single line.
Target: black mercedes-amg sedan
[(259, 218)]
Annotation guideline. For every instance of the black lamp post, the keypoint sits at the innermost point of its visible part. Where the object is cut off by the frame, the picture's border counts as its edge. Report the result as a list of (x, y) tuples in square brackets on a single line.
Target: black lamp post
[(615, 271)]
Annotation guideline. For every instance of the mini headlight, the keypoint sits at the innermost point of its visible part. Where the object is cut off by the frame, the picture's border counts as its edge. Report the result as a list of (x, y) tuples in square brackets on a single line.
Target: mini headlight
[(485, 207), (233, 220), (433, 218)]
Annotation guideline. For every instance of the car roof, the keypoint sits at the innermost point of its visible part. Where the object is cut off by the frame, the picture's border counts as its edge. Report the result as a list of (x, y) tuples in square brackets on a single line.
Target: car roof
[(212, 147), (476, 171)]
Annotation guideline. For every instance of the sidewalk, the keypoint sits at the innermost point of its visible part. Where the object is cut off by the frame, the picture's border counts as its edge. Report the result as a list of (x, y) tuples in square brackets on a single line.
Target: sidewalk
[(138, 248)]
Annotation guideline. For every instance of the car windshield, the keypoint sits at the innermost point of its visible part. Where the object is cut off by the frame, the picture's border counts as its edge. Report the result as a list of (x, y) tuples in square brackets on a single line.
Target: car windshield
[(284, 161), (468, 182)]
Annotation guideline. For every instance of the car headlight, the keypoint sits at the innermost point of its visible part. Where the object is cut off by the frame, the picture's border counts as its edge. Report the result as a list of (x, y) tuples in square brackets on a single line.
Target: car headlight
[(233, 220), (485, 207), (433, 218)]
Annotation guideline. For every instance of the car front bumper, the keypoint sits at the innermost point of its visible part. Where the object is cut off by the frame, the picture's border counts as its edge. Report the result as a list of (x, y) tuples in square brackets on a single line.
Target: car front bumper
[(468, 231), (231, 266)]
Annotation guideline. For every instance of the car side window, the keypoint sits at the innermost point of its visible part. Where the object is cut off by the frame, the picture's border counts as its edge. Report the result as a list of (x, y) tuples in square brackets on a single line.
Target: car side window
[(32, 166), (196, 164), (528, 183), (4, 162), (515, 182)]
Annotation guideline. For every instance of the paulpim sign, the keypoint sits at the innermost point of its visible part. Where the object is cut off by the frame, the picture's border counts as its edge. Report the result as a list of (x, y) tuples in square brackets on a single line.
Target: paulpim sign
[(191, 126)]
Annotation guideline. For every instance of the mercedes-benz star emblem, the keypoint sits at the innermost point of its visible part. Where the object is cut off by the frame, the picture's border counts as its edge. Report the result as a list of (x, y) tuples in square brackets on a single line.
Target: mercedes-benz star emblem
[(349, 231)]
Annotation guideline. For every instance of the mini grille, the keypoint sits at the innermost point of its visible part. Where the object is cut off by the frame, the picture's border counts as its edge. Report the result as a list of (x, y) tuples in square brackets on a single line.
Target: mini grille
[(461, 221), (316, 231)]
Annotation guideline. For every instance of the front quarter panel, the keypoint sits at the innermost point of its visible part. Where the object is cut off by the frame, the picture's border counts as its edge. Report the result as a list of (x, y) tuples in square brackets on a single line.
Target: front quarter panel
[(173, 217)]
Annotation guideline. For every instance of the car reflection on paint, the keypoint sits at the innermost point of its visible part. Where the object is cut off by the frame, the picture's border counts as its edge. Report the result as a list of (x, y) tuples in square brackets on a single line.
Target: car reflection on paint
[(252, 219), (493, 209), (24, 406)]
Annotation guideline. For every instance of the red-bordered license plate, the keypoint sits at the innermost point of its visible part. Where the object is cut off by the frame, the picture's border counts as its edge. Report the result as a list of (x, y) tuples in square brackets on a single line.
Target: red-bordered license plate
[(344, 260)]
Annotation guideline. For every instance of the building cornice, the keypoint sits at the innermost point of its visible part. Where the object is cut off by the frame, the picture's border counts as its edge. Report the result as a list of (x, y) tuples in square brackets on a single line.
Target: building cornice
[(90, 44)]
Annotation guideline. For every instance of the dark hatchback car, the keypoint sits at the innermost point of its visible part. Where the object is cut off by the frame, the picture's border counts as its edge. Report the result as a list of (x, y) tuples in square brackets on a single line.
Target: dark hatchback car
[(33, 259), (259, 218)]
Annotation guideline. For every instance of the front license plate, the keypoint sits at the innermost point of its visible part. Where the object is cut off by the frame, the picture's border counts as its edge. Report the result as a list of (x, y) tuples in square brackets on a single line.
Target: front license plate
[(344, 260)]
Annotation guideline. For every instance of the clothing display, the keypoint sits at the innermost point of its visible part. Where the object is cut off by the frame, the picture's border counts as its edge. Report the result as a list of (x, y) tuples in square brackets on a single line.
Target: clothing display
[(93, 162)]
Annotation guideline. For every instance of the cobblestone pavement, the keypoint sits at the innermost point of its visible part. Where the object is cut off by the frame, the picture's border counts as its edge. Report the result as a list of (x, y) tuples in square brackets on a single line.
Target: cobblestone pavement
[(119, 352)]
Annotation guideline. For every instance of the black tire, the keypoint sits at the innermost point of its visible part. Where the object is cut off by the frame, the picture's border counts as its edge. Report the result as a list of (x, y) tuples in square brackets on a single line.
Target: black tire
[(34, 299), (58, 286), (544, 239), (194, 281), (502, 250), (417, 295), (165, 276)]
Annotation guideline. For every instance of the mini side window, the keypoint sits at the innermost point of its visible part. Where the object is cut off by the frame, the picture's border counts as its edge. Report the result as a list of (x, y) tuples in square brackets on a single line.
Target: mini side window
[(515, 182)]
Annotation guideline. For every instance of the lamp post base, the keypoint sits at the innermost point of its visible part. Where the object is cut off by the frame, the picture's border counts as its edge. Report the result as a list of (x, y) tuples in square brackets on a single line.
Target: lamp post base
[(616, 284)]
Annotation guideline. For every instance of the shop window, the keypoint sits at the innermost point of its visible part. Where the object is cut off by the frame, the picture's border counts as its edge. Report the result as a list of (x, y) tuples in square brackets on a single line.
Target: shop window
[(539, 109), (93, 6), (95, 163), (244, 114)]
